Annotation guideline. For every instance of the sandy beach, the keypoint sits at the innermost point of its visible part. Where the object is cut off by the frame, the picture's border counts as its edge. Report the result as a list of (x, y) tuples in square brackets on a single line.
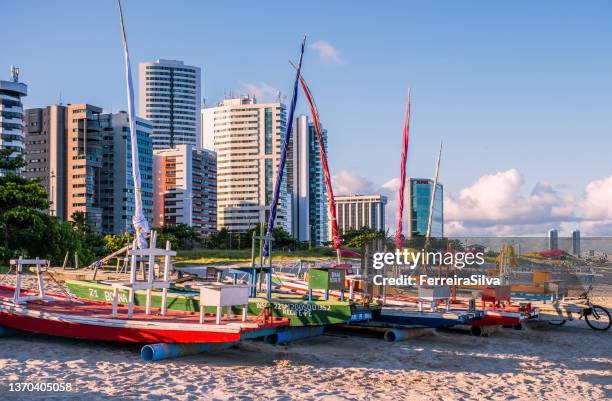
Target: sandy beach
[(571, 362)]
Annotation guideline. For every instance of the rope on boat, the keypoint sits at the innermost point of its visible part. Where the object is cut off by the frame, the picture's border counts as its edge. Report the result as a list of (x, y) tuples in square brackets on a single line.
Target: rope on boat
[(61, 287)]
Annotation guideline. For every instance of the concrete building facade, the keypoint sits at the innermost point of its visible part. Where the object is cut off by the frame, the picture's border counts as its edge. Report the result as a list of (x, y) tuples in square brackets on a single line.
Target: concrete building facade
[(84, 163), (247, 137), (11, 115), (82, 157), (170, 97), (45, 153), (185, 188), (306, 183), (117, 184), (357, 211)]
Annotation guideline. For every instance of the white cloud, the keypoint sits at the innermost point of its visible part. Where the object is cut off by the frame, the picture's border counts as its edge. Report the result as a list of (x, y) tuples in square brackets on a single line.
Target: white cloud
[(390, 190), (347, 183), (495, 205), (498, 204), (327, 52), (262, 91), (598, 199), (597, 208)]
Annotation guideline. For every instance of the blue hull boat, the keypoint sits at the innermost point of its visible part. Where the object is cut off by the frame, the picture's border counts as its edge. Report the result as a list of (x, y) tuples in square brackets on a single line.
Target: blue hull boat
[(436, 319)]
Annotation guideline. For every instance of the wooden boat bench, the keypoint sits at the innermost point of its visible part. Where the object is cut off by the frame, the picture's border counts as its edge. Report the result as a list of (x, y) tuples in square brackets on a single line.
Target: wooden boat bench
[(221, 295), (433, 295)]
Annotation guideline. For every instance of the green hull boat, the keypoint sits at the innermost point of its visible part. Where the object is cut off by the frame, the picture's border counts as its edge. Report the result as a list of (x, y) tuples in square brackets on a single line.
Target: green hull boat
[(295, 307)]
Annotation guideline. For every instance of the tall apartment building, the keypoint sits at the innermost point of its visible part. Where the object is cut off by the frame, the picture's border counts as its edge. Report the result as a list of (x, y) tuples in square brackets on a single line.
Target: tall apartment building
[(247, 138), (45, 153), (116, 182), (11, 114), (419, 195), (306, 183), (576, 243), (169, 96), (83, 159), (84, 163), (553, 239), (186, 188), (357, 211)]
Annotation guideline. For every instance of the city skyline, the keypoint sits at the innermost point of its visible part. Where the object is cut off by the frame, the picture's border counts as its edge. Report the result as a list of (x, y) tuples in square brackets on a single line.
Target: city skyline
[(508, 127)]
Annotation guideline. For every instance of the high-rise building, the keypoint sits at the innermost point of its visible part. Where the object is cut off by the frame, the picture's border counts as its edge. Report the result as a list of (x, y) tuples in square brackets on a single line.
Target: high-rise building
[(84, 163), (185, 188), (247, 137), (83, 159), (169, 96), (576, 243), (11, 115), (553, 239), (45, 153), (116, 182), (306, 183), (354, 212), (419, 194)]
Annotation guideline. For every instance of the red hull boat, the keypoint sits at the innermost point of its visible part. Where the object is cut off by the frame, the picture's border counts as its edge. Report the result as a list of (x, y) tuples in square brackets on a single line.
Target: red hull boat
[(63, 317)]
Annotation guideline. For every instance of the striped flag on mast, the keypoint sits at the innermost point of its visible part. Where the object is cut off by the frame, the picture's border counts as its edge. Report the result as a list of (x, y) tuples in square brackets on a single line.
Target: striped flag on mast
[(141, 226), (399, 236), (331, 202)]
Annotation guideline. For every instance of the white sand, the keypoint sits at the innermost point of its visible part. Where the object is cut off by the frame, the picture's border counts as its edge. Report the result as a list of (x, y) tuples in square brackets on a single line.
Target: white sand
[(571, 362)]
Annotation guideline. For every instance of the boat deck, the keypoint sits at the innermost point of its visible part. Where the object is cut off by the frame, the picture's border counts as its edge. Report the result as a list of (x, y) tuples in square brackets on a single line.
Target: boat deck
[(93, 320)]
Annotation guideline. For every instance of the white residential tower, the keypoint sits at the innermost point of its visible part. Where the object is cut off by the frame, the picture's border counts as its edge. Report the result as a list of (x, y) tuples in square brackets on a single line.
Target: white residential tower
[(169, 96)]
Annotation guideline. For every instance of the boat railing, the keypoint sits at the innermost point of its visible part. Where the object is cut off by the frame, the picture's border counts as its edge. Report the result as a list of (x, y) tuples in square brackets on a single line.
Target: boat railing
[(151, 254)]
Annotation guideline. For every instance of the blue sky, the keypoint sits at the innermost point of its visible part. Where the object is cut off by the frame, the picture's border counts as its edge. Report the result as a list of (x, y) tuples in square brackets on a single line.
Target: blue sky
[(517, 85)]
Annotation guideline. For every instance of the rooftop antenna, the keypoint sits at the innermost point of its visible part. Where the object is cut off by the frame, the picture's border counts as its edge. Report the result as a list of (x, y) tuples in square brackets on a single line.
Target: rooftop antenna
[(14, 73), (59, 102)]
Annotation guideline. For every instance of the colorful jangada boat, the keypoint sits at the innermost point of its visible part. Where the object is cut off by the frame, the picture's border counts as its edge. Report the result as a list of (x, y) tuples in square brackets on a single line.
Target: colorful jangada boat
[(491, 312), (64, 316), (299, 308)]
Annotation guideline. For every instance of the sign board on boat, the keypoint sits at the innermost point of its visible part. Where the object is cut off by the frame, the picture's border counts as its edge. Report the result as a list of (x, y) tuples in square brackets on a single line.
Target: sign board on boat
[(328, 278)]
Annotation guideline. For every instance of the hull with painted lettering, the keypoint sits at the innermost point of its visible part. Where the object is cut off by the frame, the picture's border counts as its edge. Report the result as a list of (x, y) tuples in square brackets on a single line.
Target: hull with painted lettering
[(60, 316), (296, 308)]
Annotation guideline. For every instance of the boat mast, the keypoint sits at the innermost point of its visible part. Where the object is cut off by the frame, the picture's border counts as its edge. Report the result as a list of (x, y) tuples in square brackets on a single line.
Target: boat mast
[(141, 226), (331, 202), (284, 151), (433, 198), (399, 236)]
